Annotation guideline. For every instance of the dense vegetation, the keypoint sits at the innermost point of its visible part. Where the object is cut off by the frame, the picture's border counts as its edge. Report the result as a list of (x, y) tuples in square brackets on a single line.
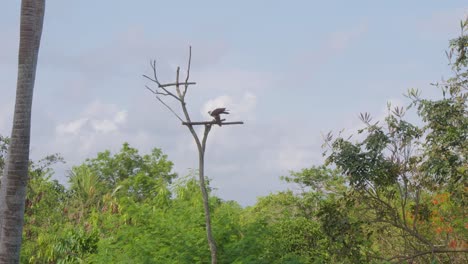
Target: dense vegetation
[(397, 193)]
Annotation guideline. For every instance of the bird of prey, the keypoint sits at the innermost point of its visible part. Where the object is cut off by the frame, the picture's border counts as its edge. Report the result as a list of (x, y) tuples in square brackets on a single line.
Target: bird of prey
[(217, 114)]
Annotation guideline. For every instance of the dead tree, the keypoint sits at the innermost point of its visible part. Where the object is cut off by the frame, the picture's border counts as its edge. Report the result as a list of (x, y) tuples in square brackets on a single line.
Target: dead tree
[(181, 89)]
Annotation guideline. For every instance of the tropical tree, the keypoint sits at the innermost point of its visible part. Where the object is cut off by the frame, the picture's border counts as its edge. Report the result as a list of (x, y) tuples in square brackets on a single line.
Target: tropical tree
[(409, 182), (112, 194), (15, 179), (134, 174)]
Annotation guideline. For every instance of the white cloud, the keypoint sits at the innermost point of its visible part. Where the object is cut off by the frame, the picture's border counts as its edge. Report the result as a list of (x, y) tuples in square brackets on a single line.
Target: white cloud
[(121, 117), (72, 127), (96, 118), (104, 126), (220, 101), (240, 108), (111, 124)]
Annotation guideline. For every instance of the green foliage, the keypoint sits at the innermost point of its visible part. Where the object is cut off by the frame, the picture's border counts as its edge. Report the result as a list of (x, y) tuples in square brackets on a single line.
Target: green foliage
[(321, 180), (173, 232), (68, 226), (347, 241), (397, 169), (3, 151), (397, 194), (278, 229), (114, 169), (76, 245), (364, 162)]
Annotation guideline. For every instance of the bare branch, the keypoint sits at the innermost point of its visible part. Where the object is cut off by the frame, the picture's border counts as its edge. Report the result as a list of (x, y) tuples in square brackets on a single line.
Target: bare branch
[(188, 71), (151, 90), (171, 94), (156, 92), (211, 123), (149, 78), (233, 123), (170, 109), (153, 66), (164, 94), (175, 84), (155, 79), (401, 259)]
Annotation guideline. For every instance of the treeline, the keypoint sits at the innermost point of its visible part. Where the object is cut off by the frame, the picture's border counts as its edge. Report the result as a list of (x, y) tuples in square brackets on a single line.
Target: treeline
[(397, 194)]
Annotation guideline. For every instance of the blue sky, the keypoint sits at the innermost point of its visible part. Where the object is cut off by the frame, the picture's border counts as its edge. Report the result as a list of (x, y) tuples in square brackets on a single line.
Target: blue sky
[(290, 69)]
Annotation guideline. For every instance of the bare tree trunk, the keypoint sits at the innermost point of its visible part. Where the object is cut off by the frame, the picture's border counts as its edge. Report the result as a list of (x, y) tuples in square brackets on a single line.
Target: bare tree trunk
[(206, 205), (206, 201), (179, 95), (15, 178), (201, 146)]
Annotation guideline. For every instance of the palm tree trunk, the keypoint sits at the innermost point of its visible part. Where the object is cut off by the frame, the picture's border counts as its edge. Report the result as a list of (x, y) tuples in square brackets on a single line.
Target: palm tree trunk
[(15, 178)]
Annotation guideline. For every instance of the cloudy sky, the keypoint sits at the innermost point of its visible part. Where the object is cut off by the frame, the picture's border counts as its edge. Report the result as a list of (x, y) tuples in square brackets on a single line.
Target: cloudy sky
[(290, 70)]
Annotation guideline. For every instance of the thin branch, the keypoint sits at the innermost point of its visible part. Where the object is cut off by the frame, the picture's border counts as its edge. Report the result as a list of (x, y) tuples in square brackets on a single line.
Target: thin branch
[(408, 231), (159, 93), (401, 259), (156, 92), (171, 94), (211, 123), (157, 97), (153, 66), (151, 90), (199, 123), (188, 71), (155, 79), (175, 84), (416, 211), (151, 79)]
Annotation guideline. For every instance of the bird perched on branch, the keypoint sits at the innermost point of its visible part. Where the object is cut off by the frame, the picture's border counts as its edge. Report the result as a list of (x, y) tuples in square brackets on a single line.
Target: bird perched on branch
[(217, 114)]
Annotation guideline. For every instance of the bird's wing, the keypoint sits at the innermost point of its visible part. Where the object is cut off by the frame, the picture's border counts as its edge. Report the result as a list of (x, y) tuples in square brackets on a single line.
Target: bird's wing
[(217, 111)]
